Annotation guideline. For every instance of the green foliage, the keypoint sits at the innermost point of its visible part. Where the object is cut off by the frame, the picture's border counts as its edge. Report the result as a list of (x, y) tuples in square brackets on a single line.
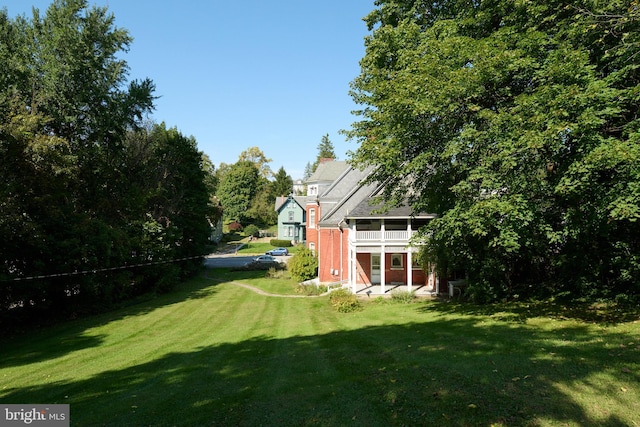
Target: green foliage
[(282, 185), (516, 123), (325, 151), (344, 301), (238, 189), (311, 290), (252, 230), (402, 296), (277, 273), (303, 265), (85, 185), (276, 243)]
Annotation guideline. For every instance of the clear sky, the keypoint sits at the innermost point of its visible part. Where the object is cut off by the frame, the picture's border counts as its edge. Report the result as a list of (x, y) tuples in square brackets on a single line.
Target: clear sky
[(236, 74)]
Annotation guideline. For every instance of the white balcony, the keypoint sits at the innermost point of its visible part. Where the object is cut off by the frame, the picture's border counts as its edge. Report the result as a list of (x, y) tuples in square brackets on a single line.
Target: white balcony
[(390, 236)]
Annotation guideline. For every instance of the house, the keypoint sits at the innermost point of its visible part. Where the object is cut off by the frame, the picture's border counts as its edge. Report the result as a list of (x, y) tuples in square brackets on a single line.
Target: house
[(325, 175), (291, 218), (362, 246), (299, 187)]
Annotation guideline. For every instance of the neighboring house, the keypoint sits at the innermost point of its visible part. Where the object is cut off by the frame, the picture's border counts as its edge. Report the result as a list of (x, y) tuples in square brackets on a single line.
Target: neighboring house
[(298, 188), (291, 218), (360, 247)]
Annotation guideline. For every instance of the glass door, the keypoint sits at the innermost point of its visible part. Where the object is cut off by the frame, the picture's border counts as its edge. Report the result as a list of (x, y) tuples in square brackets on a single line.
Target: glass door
[(375, 268)]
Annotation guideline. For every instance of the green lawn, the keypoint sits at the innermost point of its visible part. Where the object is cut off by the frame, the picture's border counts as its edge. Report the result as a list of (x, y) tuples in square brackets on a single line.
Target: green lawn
[(214, 353)]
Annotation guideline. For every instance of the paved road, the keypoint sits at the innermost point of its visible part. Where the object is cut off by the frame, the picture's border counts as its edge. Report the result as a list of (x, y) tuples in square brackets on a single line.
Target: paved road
[(230, 261)]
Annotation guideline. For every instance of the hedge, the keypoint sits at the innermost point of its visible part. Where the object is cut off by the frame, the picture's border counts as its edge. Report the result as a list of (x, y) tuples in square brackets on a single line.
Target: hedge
[(280, 243)]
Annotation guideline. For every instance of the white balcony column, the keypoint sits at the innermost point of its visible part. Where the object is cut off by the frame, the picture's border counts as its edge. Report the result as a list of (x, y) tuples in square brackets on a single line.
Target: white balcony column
[(382, 268), (382, 236), (352, 269), (409, 270)]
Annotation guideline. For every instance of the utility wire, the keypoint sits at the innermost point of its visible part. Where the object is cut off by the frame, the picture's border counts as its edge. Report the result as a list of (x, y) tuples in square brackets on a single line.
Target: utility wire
[(100, 270)]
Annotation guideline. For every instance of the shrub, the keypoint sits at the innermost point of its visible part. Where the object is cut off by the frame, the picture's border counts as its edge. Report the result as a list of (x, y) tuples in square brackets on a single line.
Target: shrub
[(252, 230), (303, 265), (280, 243), (277, 273), (234, 226), (344, 301), (402, 296), (311, 289)]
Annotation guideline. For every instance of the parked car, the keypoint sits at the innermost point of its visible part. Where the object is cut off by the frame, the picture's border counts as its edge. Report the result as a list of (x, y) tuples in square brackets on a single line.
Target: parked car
[(278, 252), (265, 259)]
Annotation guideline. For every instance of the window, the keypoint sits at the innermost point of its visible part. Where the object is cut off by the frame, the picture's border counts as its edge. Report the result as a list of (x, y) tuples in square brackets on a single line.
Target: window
[(312, 246), (396, 261), (312, 218), (291, 214)]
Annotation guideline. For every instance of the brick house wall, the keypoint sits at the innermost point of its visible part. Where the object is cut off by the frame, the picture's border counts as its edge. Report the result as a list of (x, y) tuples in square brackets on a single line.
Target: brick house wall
[(334, 254)]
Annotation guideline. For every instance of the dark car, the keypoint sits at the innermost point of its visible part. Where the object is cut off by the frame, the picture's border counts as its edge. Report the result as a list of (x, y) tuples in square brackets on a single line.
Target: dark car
[(278, 252)]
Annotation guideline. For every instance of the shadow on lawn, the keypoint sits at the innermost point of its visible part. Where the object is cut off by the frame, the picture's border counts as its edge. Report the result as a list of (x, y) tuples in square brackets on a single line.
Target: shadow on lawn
[(604, 313), (74, 330), (441, 372)]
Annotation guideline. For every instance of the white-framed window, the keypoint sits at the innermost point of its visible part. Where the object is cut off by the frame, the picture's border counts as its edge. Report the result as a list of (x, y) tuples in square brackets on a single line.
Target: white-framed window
[(289, 231), (396, 261), (312, 218), (312, 246), (291, 215)]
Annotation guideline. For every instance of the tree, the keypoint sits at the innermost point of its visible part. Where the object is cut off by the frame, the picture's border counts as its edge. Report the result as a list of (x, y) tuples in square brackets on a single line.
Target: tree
[(85, 184), (308, 170), (283, 183), (238, 189), (303, 265), (516, 123), (325, 151), (257, 157)]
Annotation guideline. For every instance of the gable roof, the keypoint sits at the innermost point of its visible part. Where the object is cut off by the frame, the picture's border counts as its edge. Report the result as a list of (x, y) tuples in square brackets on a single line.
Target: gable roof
[(328, 171), (349, 197), (282, 201)]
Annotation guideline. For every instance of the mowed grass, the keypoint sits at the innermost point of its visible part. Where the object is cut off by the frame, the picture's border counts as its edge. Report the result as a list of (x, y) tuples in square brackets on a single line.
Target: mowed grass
[(214, 353)]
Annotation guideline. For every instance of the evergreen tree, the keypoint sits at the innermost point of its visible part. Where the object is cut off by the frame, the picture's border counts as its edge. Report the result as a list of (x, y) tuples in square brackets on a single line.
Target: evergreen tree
[(325, 151)]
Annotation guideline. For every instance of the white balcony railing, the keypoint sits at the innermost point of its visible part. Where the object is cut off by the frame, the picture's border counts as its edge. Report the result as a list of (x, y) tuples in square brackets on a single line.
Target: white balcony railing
[(386, 236)]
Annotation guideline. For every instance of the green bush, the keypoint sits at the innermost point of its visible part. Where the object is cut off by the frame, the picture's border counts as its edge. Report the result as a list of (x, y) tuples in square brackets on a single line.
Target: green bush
[(402, 296), (310, 290), (277, 273), (280, 243), (303, 265), (252, 230), (344, 301)]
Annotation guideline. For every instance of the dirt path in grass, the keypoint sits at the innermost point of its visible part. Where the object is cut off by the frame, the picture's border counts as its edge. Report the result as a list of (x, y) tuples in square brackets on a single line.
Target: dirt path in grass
[(260, 291)]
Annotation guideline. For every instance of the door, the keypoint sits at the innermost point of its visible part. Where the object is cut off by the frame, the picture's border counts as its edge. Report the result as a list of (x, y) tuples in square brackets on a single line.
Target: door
[(375, 268)]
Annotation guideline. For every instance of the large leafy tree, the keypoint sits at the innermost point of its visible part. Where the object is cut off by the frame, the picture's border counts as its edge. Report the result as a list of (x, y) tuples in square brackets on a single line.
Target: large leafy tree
[(517, 123), (84, 186), (238, 189), (258, 158)]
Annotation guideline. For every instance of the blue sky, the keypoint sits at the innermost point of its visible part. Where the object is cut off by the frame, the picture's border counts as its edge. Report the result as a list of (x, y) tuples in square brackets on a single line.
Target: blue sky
[(236, 74)]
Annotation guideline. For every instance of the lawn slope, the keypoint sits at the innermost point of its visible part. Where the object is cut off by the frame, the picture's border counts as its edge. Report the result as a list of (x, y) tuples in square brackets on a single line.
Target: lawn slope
[(219, 354)]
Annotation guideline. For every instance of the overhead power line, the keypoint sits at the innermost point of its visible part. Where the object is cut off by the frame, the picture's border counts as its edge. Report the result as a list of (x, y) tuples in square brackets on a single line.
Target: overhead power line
[(100, 270)]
